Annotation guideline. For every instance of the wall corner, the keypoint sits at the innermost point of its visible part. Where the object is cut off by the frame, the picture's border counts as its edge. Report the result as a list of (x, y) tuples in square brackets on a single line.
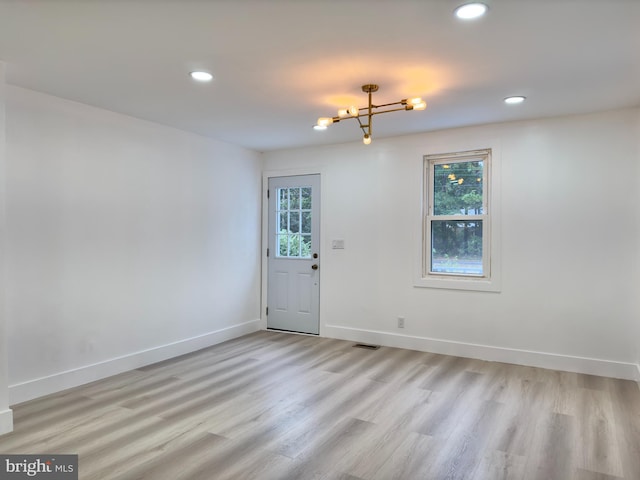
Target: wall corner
[(6, 415)]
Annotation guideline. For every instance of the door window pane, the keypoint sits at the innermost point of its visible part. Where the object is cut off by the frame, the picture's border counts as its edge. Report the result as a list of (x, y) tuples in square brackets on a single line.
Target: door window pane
[(283, 198), (284, 221), (283, 245), (294, 198), (305, 246), (294, 221), (306, 198), (306, 222)]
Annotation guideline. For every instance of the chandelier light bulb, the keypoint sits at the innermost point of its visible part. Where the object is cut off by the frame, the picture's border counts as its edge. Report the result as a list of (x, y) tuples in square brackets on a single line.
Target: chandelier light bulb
[(366, 139), (415, 103), (343, 112), (353, 111), (324, 122)]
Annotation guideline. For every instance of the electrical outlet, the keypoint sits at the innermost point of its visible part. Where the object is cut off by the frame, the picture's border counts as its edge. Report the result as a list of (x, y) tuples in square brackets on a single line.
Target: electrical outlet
[(400, 322)]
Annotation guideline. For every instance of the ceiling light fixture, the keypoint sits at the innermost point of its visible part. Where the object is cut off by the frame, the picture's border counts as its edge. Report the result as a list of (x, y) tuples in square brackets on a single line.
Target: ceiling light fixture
[(369, 111), (201, 76), (514, 100), (469, 11)]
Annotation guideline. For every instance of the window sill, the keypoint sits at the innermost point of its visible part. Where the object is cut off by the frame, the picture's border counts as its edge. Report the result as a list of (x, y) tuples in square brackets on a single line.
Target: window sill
[(458, 283)]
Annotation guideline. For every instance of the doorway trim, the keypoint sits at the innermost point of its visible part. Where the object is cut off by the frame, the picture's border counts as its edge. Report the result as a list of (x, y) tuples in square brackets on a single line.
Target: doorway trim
[(266, 174)]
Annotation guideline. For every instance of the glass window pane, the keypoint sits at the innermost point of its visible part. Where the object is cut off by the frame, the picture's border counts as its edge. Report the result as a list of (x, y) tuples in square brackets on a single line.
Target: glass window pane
[(306, 222), (294, 198), (294, 245), (456, 247), (305, 247), (282, 241), (458, 188), (283, 199), (294, 222), (284, 223), (306, 198)]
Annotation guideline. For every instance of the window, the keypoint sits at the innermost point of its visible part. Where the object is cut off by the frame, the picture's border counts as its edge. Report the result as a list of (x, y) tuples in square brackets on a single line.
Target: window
[(294, 222), (457, 219)]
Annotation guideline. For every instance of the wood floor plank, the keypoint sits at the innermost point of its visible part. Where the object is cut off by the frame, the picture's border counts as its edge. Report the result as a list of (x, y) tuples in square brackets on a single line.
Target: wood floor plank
[(626, 409), (411, 460), (335, 447), (552, 454), (597, 434), (168, 465), (498, 465), (518, 426), (276, 406), (464, 447), (386, 440), (323, 416), (587, 475)]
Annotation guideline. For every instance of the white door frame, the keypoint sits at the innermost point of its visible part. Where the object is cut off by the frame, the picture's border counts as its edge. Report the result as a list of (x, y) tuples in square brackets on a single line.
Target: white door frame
[(266, 174)]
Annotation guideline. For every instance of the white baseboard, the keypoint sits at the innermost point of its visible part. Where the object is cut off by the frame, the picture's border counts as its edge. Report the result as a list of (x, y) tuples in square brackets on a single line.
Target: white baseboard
[(72, 378), (6, 421), (567, 363)]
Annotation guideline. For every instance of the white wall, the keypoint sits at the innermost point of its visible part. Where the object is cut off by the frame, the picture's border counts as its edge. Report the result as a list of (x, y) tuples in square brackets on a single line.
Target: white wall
[(128, 242), (6, 417), (569, 244)]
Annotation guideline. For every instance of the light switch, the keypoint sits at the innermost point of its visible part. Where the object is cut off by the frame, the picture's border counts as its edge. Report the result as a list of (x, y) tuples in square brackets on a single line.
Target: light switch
[(337, 244)]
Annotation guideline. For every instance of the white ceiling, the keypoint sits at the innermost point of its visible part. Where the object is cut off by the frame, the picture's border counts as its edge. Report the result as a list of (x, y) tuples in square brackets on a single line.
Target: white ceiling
[(281, 64)]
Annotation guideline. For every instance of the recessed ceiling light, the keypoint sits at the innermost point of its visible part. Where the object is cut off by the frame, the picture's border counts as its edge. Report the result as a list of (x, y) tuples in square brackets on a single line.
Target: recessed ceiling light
[(470, 11), (201, 76), (514, 100)]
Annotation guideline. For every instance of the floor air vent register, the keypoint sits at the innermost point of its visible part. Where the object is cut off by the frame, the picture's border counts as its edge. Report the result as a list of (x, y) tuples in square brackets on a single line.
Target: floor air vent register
[(366, 346)]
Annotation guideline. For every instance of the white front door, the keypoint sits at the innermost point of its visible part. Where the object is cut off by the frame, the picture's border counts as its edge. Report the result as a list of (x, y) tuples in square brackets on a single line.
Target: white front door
[(293, 298)]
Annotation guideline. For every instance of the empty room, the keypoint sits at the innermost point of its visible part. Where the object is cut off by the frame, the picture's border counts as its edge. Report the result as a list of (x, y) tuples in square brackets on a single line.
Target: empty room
[(339, 240)]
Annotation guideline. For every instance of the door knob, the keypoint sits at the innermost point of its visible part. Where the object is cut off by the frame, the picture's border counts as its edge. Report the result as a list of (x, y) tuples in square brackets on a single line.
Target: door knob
[(314, 266)]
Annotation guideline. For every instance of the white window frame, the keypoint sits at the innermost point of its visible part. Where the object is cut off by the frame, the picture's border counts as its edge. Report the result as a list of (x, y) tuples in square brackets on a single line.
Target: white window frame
[(490, 278)]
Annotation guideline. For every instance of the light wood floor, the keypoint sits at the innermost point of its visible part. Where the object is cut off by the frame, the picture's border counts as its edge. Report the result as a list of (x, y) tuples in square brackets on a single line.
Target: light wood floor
[(274, 406)]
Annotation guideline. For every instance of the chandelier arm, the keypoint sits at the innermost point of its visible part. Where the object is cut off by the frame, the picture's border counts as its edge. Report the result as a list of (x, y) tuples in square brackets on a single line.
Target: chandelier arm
[(399, 102), (373, 105), (338, 119), (387, 111), (363, 127), (371, 90)]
